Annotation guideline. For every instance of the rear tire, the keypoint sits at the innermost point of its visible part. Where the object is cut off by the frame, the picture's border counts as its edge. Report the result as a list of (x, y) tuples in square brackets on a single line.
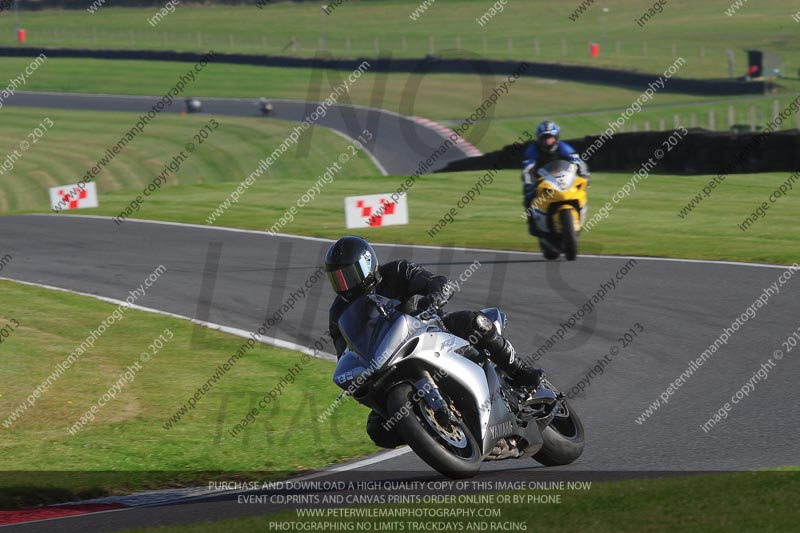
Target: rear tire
[(564, 440), (422, 437), (569, 238)]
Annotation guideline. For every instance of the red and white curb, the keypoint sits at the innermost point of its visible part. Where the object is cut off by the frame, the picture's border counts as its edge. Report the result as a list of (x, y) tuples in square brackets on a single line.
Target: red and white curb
[(468, 148), (96, 505), (167, 496), (21, 516)]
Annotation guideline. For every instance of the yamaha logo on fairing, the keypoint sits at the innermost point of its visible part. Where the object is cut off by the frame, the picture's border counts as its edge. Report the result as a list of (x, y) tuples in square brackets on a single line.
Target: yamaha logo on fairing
[(504, 428)]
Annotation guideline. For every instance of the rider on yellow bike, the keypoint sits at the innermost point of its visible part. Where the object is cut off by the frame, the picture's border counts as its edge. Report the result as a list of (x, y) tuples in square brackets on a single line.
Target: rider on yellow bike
[(545, 149)]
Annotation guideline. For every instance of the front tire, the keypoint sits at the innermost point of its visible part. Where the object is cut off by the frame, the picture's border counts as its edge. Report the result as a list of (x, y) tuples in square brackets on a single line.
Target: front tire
[(569, 238), (461, 460), (547, 250), (564, 439)]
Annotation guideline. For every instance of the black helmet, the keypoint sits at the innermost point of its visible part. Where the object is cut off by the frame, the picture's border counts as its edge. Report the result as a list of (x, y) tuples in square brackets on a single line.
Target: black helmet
[(352, 267)]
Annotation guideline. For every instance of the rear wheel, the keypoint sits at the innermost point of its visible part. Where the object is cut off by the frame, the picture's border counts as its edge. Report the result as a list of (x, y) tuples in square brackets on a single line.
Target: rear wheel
[(569, 238), (564, 438), (449, 448)]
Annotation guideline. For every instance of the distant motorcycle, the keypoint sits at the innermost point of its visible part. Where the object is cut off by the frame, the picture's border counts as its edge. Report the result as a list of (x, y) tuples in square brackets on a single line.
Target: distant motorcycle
[(559, 209), (265, 106), (194, 105), (448, 401)]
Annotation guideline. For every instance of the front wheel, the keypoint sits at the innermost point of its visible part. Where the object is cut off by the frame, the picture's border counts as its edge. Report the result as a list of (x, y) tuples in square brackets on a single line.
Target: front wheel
[(548, 250), (564, 438), (569, 238), (450, 449)]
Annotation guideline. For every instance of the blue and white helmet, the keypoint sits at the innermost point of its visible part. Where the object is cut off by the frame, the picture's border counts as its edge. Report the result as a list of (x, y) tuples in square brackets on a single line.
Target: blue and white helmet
[(546, 129)]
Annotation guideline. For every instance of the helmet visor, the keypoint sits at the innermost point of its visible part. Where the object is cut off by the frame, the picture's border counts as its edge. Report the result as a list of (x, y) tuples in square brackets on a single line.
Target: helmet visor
[(349, 277)]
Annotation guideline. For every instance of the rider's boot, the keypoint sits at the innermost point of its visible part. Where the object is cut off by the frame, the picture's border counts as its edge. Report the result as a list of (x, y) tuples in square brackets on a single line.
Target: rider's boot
[(502, 353)]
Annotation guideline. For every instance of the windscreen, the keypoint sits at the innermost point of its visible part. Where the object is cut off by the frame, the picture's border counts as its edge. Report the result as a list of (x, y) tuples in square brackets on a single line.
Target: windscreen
[(364, 327), (560, 174)]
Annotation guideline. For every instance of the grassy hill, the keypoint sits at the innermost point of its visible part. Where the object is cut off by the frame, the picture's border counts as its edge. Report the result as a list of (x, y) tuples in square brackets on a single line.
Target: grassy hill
[(699, 31), (77, 140)]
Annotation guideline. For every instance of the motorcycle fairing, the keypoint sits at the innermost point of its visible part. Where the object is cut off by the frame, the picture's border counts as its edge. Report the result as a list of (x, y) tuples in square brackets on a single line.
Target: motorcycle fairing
[(482, 383)]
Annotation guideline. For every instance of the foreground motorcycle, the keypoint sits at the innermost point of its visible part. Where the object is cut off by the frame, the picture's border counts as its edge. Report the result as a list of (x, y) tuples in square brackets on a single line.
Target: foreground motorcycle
[(448, 401), (559, 209)]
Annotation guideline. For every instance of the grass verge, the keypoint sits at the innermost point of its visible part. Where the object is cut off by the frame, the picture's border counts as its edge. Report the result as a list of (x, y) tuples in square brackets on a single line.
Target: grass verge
[(645, 223), (127, 447)]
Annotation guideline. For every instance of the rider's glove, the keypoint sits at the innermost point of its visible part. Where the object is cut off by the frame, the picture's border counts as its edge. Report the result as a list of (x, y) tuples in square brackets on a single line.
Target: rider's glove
[(437, 298), (432, 300)]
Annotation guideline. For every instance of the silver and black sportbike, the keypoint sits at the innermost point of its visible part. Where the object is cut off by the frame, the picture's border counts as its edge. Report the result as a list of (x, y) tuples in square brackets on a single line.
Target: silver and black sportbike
[(448, 401)]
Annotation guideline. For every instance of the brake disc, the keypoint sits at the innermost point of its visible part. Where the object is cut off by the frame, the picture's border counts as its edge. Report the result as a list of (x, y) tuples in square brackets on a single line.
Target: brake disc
[(453, 436)]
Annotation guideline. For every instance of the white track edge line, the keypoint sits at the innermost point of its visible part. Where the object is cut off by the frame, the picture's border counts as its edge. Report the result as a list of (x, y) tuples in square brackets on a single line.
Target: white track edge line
[(421, 246), (374, 159), (237, 332)]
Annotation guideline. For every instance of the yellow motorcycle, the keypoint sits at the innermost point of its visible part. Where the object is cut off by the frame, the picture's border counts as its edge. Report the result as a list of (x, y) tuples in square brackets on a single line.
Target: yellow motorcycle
[(559, 209)]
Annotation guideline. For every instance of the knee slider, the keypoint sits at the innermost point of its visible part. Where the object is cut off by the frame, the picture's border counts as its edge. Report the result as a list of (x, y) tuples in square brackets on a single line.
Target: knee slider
[(484, 329), (482, 324)]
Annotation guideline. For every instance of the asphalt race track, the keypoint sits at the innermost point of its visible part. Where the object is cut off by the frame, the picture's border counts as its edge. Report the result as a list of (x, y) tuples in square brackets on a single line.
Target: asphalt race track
[(398, 143), (682, 307)]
